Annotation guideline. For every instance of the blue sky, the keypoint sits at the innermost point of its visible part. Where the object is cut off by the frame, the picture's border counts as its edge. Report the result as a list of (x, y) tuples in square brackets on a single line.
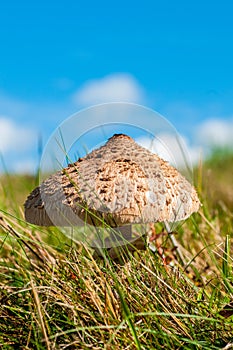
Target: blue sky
[(58, 57)]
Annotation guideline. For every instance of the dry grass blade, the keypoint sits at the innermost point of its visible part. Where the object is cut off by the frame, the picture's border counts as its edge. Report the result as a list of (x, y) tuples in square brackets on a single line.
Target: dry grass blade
[(147, 302), (40, 316)]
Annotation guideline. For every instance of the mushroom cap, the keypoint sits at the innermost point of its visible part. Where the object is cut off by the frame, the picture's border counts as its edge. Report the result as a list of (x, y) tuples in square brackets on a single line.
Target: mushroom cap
[(119, 183)]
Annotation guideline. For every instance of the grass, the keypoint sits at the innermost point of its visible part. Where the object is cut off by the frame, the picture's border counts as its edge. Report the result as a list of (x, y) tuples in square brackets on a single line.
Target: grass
[(54, 295)]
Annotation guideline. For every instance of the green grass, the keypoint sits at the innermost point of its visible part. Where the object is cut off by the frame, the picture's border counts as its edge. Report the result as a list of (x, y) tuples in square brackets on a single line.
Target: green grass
[(54, 295)]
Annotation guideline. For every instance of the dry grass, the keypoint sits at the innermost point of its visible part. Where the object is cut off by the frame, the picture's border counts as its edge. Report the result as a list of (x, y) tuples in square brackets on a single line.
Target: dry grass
[(54, 295)]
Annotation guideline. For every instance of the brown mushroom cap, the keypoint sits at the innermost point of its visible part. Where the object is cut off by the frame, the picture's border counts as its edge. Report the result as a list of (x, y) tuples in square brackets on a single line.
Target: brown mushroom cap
[(119, 183)]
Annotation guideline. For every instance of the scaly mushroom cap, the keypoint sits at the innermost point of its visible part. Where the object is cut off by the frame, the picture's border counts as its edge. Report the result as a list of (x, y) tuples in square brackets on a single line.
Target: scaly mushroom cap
[(120, 183)]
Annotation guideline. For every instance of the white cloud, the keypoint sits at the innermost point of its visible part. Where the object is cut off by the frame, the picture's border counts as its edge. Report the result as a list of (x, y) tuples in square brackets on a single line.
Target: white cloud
[(25, 166), (17, 146), (63, 84), (14, 137), (12, 105), (215, 133), (18, 143), (118, 87)]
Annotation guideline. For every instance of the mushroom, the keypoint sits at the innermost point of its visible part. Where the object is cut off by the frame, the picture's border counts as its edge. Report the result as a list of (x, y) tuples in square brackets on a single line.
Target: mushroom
[(118, 184)]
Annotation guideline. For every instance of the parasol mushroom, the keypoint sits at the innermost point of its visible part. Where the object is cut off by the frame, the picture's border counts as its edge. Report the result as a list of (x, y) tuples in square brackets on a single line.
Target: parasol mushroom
[(120, 184)]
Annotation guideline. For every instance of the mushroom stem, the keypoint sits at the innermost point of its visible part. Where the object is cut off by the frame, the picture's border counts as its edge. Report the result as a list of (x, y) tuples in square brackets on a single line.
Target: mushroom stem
[(122, 234), (175, 243), (120, 242), (118, 236)]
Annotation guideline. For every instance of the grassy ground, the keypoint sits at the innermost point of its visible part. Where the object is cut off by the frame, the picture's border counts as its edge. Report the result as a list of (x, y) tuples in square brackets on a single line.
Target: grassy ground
[(54, 295)]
